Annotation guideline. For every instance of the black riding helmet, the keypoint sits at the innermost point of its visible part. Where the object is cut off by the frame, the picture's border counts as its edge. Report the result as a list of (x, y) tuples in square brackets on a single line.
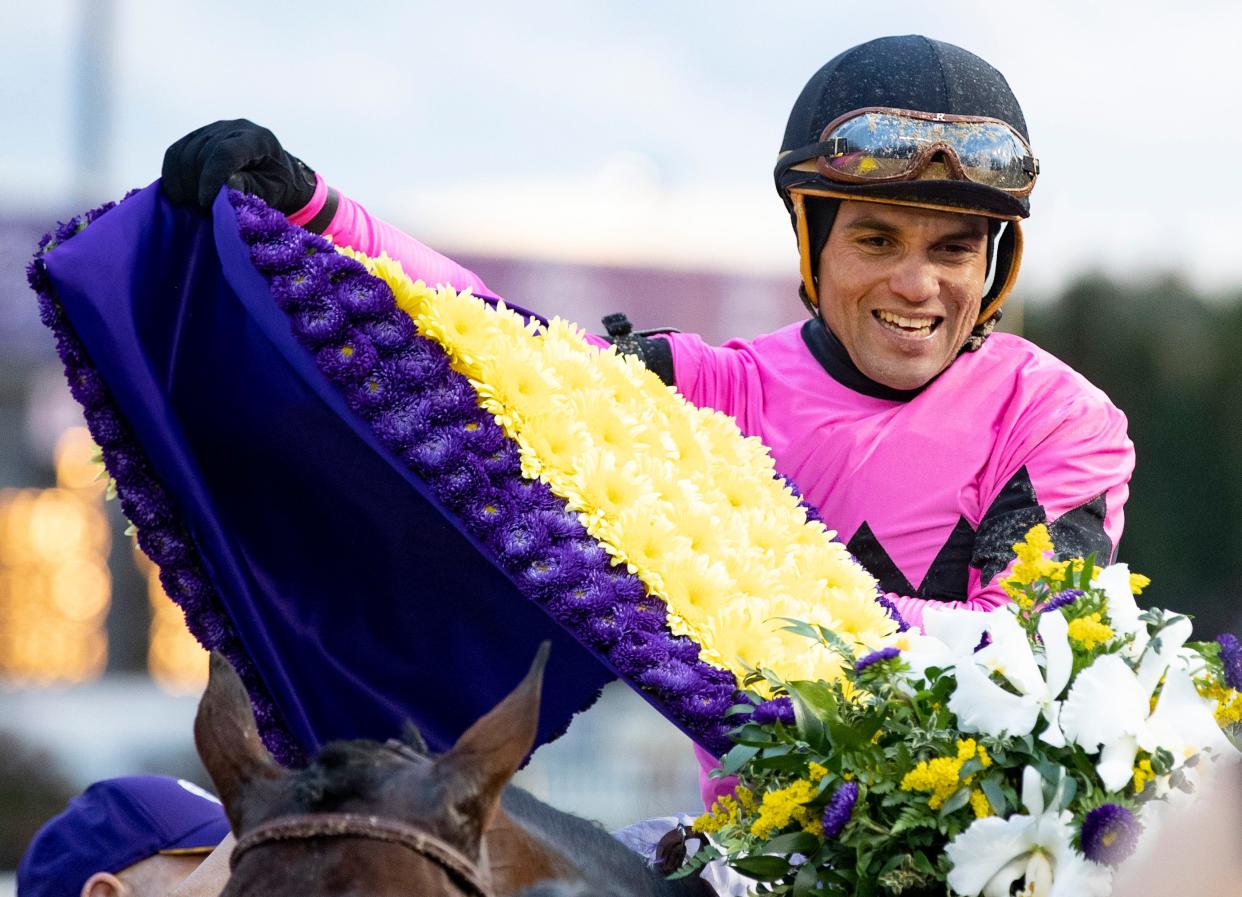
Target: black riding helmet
[(910, 73)]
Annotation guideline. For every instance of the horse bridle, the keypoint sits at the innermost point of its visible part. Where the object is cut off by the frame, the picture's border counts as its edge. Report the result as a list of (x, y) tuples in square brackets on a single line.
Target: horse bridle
[(305, 826)]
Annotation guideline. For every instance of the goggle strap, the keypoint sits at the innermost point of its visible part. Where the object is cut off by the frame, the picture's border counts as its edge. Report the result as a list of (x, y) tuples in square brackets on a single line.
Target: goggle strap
[(804, 250)]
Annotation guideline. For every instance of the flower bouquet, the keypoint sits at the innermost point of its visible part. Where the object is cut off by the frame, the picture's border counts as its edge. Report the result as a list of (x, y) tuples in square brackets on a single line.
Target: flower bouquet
[(1028, 747)]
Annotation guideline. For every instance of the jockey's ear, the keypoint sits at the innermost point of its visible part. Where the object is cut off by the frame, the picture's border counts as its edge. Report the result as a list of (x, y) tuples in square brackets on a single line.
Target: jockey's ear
[(487, 755), (228, 741)]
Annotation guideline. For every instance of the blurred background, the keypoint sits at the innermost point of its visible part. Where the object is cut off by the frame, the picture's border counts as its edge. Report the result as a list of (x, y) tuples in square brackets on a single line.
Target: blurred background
[(589, 158)]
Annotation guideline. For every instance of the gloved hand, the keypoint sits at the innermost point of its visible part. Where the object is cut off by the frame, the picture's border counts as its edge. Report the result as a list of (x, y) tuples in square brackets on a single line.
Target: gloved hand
[(242, 154)]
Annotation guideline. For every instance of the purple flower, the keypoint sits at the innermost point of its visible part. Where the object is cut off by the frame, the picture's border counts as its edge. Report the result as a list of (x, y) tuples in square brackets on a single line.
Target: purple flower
[(521, 540), (488, 508), (605, 629), (452, 399), (318, 322), (771, 711), (480, 434), (637, 651), (348, 360), (1060, 600), (189, 585), (536, 495), (71, 350), (1231, 658), (300, 287), (546, 574), (434, 451), (684, 648), (124, 462), (893, 612), (839, 809), (462, 479), (876, 657), (671, 679), (166, 545), (279, 254), (146, 504), (576, 604), (339, 268), (562, 524), (106, 426), (590, 553), (366, 297), (504, 463), (258, 223), (1109, 834), (404, 423), (420, 363), (389, 333), (708, 701), (87, 387), (374, 392), (648, 615)]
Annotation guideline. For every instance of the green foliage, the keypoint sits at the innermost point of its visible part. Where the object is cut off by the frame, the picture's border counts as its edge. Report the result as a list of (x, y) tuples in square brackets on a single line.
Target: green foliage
[(889, 735)]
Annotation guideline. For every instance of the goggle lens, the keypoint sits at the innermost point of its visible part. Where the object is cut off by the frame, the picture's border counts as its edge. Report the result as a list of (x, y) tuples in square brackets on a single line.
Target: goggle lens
[(891, 146)]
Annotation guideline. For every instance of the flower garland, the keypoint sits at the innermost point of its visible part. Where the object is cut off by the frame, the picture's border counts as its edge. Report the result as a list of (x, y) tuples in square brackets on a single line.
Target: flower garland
[(588, 542), (673, 491), (160, 530)]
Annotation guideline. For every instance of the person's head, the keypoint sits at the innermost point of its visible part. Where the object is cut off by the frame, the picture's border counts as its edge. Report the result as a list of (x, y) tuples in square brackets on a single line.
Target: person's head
[(926, 141), (136, 836)]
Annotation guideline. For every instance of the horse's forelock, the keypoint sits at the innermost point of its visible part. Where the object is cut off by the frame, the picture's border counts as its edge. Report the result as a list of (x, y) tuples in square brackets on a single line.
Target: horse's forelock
[(342, 770)]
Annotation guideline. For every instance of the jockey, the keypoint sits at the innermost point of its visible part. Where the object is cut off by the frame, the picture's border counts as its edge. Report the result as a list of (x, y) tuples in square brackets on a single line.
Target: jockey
[(928, 442)]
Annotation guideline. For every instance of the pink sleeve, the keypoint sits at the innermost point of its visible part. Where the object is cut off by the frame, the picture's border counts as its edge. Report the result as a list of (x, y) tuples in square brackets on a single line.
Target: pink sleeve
[(712, 789), (353, 226)]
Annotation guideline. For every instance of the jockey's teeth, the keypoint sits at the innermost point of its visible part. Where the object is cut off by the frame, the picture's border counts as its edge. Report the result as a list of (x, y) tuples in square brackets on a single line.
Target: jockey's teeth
[(921, 326)]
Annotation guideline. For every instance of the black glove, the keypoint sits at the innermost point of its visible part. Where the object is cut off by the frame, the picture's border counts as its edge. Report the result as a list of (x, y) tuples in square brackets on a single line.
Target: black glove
[(242, 154)]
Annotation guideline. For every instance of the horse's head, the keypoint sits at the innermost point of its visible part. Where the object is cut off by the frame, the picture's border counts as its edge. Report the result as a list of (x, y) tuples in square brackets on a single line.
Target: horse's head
[(363, 817)]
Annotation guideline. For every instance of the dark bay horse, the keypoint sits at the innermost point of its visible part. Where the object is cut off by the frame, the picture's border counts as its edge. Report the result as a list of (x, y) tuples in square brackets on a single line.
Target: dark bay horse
[(387, 819)]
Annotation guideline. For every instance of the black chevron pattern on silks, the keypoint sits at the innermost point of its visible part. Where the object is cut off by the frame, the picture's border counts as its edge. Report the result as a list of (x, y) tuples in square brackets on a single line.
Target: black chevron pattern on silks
[(1006, 521), (864, 546), (1079, 532)]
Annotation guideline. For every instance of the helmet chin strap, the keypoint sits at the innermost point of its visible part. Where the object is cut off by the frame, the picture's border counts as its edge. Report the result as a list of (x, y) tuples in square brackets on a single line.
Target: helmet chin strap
[(1010, 247)]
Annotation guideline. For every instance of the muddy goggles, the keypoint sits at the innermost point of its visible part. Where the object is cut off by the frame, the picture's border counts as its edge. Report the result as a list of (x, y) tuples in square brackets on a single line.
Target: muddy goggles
[(878, 145)]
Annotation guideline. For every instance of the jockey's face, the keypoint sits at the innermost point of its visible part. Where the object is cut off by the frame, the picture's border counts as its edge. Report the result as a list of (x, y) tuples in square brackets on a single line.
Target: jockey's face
[(901, 287)]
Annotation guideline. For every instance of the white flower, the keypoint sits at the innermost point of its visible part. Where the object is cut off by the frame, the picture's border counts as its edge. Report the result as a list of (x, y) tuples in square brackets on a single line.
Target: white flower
[(982, 705), (993, 854), (1108, 710), (1123, 610)]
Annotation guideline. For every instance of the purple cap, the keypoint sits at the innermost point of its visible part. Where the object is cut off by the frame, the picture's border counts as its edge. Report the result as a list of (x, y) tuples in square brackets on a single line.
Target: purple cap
[(114, 824)]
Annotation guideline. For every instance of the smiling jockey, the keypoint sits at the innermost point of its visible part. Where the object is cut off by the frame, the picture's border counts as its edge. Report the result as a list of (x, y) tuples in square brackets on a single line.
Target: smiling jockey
[(930, 444)]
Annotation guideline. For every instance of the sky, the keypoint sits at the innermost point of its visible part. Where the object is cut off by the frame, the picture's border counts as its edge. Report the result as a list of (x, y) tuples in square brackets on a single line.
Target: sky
[(634, 132)]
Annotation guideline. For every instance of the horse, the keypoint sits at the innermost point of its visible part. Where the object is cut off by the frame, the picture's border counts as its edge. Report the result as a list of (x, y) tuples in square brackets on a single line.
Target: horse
[(379, 819)]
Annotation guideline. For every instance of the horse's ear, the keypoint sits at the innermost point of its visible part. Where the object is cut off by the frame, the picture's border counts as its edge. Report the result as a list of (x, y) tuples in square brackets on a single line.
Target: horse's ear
[(487, 755), (228, 740)]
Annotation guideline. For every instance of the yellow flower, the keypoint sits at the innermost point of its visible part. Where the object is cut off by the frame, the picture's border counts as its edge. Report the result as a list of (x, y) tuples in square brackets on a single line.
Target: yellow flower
[(1138, 582), (815, 771), (781, 807), (1031, 562), (1143, 773), (942, 776), (979, 803), (724, 812), (1088, 631), (1228, 701)]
